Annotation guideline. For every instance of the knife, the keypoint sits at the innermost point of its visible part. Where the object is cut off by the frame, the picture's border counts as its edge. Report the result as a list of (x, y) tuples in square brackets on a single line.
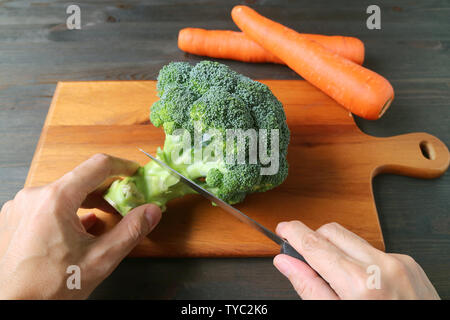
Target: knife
[(286, 248)]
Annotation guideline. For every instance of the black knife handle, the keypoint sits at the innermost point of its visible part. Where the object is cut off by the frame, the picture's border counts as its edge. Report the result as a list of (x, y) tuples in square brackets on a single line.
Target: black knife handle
[(286, 248)]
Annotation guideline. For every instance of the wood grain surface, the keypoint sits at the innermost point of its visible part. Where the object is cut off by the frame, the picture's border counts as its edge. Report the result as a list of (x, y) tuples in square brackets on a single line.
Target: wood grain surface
[(132, 40), (332, 164)]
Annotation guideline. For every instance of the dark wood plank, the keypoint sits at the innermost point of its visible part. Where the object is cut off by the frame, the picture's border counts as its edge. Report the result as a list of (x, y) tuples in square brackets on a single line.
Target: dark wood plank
[(411, 50)]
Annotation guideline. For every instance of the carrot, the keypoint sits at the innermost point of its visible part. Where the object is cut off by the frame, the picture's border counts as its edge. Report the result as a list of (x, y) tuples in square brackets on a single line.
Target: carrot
[(226, 44), (223, 44), (360, 90)]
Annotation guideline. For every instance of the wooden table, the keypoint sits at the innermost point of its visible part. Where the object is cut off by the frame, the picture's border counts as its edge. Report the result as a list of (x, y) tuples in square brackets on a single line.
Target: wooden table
[(134, 39)]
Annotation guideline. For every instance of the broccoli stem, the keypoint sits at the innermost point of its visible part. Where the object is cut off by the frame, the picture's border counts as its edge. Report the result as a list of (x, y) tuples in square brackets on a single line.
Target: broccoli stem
[(150, 184)]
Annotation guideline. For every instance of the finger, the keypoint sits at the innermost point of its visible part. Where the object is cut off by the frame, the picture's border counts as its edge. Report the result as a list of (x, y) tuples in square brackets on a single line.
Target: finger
[(348, 242), (305, 280), (89, 175), (324, 257), (88, 220), (110, 248)]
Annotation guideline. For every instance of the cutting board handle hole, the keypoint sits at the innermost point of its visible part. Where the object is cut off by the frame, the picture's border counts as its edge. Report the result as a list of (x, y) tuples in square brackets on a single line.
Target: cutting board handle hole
[(427, 150)]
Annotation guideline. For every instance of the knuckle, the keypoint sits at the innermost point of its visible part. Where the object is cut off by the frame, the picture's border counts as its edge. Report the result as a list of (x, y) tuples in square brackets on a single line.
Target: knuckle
[(57, 195), (396, 268), (55, 191), (292, 226), (408, 260), (22, 194), (52, 190), (63, 190), (310, 241), (102, 158), (330, 228), (70, 175), (6, 205), (337, 260), (104, 161)]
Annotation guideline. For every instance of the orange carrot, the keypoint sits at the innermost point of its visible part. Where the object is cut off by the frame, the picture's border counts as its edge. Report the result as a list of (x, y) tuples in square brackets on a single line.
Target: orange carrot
[(226, 44), (223, 44), (360, 90)]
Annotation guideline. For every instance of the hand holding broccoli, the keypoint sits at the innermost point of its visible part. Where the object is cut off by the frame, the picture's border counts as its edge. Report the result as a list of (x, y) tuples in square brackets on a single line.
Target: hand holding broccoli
[(43, 241)]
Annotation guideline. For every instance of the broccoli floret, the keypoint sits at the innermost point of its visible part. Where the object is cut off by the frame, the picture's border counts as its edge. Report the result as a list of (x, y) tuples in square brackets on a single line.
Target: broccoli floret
[(207, 74), (204, 100), (172, 110), (214, 178), (221, 110), (174, 73)]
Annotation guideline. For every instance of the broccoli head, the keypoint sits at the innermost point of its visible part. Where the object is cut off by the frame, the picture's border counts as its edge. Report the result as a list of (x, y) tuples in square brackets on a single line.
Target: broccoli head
[(211, 116)]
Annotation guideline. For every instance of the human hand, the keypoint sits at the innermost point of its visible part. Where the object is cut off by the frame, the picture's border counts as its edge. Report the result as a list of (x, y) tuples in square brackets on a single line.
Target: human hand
[(41, 234), (348, 266)]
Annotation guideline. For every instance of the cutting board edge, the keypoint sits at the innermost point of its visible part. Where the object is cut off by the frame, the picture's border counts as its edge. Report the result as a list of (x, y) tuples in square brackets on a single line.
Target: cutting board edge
[(382, 242), (43, 135), (141, 252)]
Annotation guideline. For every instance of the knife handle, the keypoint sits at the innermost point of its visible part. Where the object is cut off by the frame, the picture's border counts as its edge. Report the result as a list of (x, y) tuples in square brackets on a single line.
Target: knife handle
[(286, 248)]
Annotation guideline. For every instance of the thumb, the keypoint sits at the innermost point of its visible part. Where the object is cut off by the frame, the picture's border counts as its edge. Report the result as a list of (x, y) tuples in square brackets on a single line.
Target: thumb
[(305, 280), (117, 243)]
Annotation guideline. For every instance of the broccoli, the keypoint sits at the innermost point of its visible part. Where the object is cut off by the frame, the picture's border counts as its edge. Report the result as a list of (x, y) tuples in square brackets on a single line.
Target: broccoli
[(207, 100)]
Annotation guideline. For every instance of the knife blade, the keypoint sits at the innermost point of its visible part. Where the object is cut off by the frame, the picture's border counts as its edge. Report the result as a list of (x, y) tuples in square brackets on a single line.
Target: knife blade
[(286, 248)]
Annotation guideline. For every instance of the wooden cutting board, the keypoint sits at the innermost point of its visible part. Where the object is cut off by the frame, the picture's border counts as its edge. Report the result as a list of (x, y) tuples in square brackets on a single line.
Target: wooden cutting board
[(332, 164)]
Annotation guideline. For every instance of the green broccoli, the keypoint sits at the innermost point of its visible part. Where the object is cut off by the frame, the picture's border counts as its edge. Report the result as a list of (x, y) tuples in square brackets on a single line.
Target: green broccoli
[(207, 100)]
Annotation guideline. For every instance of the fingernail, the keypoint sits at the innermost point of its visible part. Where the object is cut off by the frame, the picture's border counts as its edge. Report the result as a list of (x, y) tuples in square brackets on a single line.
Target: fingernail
[(151, 214), (282, 265)]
